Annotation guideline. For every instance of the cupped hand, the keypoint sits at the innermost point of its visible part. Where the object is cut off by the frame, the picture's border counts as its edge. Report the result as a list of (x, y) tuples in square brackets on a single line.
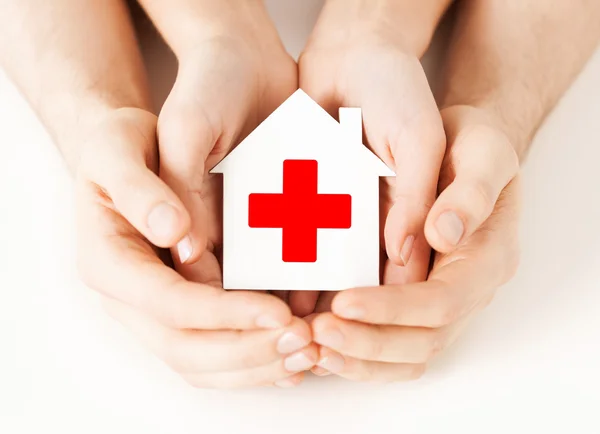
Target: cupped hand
[(389, 333), (226, 86), (349, 62), (211, 337)]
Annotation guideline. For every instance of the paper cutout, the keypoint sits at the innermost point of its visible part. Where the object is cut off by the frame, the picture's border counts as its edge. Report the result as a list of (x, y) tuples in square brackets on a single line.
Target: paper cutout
[(301, 202)]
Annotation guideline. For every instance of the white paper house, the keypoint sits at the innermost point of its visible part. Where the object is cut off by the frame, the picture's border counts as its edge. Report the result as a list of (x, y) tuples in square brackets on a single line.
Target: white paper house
[(317, 229)]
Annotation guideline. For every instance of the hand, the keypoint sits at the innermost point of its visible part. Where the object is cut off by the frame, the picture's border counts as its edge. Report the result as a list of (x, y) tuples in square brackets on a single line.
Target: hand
[(213, 338), (351, 62), (390, 332), (225, 87)]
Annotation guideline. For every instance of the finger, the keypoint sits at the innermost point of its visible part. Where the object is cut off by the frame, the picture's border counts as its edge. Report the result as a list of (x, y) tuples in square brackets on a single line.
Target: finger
[(277, 372), (117, 262), (484, 162), (185, 140), (382, 343), (198, 351), (291, 381), (457, 284), (423, 304), (417, 154), (417, 144), (353, 369), (206, 270), (117, 160), (438, 302), (303, 303)]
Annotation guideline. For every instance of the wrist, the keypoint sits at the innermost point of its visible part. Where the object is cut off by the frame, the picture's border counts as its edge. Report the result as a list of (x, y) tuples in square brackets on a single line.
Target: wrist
[(478, 115), (245, 23), (71, 120), (405, 24)]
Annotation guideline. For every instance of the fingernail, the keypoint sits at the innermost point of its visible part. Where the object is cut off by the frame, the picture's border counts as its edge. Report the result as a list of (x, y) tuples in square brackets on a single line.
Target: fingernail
[(298, 362), (330, 338), (268, 322), (286, 383), (163, 220), (184, 249), (333, 362), (352, 312), (320, 372), (290, 342), (450, 227), (407, 249)]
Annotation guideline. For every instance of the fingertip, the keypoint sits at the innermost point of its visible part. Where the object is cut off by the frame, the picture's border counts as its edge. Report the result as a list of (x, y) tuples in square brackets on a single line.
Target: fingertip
[(185, 249), (345, 305), (190, 248), (195, 241), (303, 303), (322, 322), (400, 234), (392, 235)]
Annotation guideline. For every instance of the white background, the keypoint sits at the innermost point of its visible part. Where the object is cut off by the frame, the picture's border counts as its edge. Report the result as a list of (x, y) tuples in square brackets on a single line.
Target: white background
[(529, 363)]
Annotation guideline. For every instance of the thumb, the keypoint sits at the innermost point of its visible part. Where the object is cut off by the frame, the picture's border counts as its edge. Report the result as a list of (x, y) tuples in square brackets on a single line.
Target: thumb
[(483, 162), (119, 159)]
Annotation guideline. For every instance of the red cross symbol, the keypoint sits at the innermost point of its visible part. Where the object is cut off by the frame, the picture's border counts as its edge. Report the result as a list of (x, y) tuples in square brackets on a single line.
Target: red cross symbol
[(299, 211)]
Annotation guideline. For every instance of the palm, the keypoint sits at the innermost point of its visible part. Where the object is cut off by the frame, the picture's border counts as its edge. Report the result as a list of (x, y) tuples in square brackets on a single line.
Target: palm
[(106, 239), (224, 90)]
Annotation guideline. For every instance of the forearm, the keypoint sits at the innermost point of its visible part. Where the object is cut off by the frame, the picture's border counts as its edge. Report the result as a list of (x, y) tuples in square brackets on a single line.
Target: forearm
[(73, 61), (185, 24), (408, 24), (516, 58)]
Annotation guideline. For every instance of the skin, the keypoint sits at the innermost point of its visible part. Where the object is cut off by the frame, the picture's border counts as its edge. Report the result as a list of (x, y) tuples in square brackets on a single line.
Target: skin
[(93, 98), (507, 65), (233, 71), (354, 45)]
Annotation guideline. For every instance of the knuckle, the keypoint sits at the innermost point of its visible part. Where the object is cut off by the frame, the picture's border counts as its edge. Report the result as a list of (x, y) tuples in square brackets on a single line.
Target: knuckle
[(434, 343), (408, 199), (173, 350), (368, 371), (250, 359), (506, 153), (417, 371), (253, 356), (173, 123), (445, 310), (375, 349), (481, 199), (222, 303), (170, 307)]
